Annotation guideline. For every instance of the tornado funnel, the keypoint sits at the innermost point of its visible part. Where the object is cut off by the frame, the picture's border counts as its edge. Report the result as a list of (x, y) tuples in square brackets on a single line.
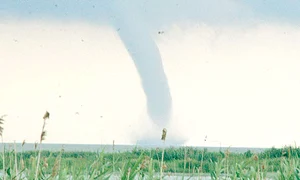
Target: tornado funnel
[(145, 54)]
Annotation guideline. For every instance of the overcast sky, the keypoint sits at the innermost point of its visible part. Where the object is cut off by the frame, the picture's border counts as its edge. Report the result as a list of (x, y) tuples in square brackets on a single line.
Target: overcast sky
[(232, 68)]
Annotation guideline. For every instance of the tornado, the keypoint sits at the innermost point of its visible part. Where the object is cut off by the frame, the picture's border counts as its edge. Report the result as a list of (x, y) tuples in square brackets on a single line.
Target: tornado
[(135, 35)]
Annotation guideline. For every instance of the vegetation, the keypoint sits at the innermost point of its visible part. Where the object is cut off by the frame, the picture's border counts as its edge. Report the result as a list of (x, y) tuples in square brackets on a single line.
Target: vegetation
[(150, 164), (146, 163)]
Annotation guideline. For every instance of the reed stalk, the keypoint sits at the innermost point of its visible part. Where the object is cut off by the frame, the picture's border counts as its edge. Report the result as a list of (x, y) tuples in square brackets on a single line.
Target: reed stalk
[(163, 138), (3, 145), (42, 137), (16, 162)]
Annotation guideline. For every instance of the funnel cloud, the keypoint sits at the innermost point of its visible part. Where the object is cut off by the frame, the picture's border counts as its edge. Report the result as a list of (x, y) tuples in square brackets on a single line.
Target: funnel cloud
[(148, 62)]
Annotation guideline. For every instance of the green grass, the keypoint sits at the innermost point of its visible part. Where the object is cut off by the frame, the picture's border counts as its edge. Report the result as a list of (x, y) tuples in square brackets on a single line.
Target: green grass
[(281, 164), (145, 163)]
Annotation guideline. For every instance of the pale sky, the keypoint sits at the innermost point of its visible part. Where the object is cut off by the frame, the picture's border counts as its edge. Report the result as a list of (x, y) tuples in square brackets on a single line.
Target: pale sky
[(233, 72)]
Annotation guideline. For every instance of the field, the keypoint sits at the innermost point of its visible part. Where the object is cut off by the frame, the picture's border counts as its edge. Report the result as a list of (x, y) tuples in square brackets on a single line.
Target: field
[(146, 164), (155, 163)]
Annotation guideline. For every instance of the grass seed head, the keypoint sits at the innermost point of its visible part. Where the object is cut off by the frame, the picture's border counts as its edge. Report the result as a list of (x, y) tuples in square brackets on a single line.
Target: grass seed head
[(1, 123), (35, 145), (164, 166), (43, 136), (128, 171), (1, 130), (145, 162), (255, 157), (45, 162), (55, 167), (113, 145), (164, 134), (227, 152), (46, 116)]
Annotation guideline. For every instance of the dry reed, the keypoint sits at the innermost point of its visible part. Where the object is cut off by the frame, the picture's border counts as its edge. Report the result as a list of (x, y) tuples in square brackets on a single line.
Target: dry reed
[(42, 137)]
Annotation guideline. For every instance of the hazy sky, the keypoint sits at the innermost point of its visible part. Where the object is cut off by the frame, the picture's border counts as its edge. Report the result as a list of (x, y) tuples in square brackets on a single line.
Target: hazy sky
[(232, 68)]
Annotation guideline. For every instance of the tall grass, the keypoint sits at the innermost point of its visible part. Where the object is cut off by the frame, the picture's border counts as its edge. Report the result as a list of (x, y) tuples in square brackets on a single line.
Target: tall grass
[(3, 146), (146, 164), (42, 137), (163, 138)]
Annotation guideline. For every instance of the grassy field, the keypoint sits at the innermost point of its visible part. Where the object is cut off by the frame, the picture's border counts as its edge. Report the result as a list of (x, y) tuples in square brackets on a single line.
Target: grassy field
[(156, 163), (146, 164)]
